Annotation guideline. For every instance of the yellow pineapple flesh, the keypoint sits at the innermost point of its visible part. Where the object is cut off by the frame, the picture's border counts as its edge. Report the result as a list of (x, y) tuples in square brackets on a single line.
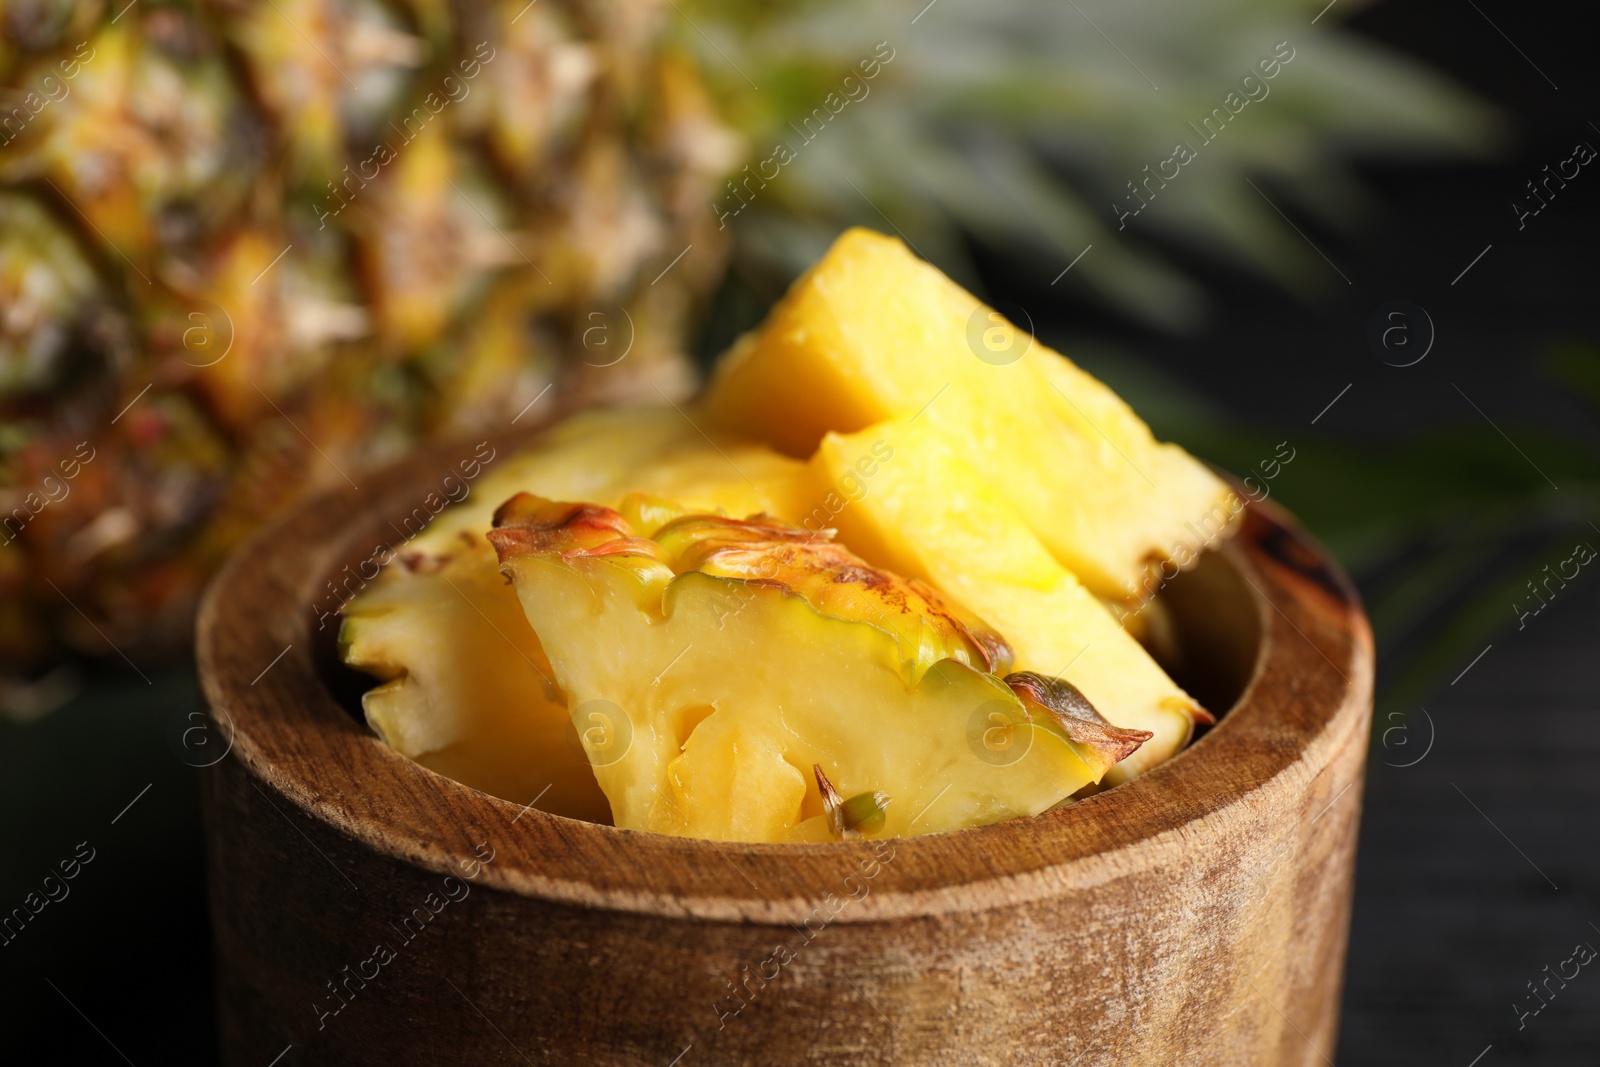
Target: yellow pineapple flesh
[(914, 504), (835, 598), (872, 333), (721, 671), (467, 690)]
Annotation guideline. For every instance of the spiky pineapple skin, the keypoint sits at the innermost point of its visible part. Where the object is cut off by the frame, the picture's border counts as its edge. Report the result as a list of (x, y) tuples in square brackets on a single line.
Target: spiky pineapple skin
[(268, 244)]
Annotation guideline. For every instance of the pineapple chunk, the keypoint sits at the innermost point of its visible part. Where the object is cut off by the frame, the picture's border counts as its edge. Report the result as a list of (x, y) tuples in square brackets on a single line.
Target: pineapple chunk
[(601, 454), (924, 512), (721, 671), (871, 333), (468, 691), (582, 456)]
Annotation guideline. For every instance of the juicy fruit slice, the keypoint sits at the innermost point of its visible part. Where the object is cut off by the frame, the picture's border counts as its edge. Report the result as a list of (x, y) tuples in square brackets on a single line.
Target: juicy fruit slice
[(468, 691), (581, 456), (871, 333), (711, 669), (602, 454), (925, 511)]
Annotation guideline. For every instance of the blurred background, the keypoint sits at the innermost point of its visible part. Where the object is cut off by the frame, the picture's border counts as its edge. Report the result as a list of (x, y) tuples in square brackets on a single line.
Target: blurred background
[(246, 248)]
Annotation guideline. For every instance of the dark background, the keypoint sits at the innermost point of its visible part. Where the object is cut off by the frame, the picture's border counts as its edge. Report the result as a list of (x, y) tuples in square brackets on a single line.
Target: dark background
[(1478, 865)]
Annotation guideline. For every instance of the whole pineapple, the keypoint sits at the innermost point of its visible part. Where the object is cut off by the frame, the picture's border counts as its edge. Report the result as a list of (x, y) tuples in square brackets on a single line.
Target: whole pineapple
[(248, 247)]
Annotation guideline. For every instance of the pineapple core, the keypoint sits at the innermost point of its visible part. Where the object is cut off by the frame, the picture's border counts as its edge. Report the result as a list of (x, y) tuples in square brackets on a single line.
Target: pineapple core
[(751, 680)]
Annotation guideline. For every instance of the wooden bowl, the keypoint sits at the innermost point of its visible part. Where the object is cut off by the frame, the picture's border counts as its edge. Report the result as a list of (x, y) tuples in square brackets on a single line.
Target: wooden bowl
[(369, 911)]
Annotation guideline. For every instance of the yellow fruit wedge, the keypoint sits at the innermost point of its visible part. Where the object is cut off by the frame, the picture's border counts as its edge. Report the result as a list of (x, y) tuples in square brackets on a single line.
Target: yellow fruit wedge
[(468, 692), (913, 504), (602, 454), (582, 456), (750, 680), (872, 333)]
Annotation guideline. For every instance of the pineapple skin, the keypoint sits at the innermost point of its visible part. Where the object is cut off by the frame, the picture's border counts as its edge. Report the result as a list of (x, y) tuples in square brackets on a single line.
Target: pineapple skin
[(872, 333), (294, 240)]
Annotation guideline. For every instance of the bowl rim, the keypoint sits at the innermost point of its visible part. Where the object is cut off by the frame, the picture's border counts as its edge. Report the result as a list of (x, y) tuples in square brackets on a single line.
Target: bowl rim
[(1310, 689)]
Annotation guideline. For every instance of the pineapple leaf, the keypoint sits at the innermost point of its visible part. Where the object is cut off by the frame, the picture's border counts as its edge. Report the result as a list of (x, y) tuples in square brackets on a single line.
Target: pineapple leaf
[(1023, 118)]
